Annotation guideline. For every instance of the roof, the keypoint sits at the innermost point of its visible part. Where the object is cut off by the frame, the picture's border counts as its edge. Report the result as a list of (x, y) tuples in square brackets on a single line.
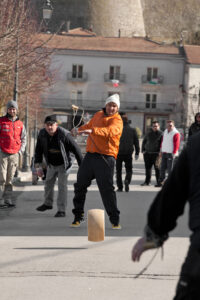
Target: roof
[(99, 43), (79, 32), (192, 54)]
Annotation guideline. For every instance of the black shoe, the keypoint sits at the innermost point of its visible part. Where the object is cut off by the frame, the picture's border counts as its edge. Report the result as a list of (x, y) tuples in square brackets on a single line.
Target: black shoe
[(43, 207), (77, 221), (158, 184), (126, 186), (119, 190), (9, 203), (145, 183), (60, 214)]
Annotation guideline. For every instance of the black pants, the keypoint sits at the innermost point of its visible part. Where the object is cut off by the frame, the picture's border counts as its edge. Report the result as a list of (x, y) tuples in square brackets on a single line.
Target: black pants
[(149, 161), (127, 159), (100, 167), (188, 287), (166, 165)]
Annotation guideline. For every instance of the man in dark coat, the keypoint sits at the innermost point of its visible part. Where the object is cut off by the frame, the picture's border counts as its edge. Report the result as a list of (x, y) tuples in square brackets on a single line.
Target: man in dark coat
[(55, 144), (195, 127), (128, 142), (182, 185), (151, 149)]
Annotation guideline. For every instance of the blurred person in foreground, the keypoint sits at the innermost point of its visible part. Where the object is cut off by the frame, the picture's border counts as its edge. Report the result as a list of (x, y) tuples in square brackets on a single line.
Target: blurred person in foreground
[(104, 131), (182, 186), (128, 143)]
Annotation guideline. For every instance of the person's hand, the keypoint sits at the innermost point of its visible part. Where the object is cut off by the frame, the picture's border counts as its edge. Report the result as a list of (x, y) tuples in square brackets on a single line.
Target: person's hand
[(40, 172), (141, 245), (86, 131), (136, 157)]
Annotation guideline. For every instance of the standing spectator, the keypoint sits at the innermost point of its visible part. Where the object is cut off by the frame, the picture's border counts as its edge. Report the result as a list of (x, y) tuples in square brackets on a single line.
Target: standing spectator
[(12, 143), (128, 142), (104, 131), (169, 149), (182, 186), (151, 149), (56, 145), (195, 127)]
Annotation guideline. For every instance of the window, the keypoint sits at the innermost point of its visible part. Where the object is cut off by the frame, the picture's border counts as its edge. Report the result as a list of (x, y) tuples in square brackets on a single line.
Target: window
[(77, 71), (76, 97), (152, 73), (151, 100), (114, 72)]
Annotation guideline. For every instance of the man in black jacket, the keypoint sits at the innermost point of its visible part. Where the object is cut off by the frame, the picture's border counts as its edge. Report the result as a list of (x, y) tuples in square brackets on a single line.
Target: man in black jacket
[(55, 144), (182, 185), (128, 141), (151, 149)]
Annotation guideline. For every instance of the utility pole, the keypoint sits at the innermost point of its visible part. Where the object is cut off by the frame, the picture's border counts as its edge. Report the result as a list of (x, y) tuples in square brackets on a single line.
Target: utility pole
[(25, 166)]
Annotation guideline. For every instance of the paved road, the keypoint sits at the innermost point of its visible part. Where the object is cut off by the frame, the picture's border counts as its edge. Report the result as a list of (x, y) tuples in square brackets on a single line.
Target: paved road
[(25, 220), (42, 258)]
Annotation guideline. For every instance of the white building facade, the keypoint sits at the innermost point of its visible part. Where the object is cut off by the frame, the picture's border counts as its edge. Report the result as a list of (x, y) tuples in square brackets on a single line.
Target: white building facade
[(87, 69)]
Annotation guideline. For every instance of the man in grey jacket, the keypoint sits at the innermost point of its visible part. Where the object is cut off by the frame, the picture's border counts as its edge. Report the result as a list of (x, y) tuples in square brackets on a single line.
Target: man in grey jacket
[(55, 144), (150, 149)]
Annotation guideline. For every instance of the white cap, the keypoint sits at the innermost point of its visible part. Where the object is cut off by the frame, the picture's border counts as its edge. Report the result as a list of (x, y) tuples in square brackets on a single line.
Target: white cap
[(114, 98)]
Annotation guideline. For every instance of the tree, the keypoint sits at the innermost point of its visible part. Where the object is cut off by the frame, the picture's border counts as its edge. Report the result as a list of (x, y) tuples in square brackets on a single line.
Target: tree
[(19, 46)]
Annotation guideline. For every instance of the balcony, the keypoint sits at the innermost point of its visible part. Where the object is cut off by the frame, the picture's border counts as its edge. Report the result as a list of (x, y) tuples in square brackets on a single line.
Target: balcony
[(116, 76), (153, 81), (82, 77), (148, 107), (94, 105)]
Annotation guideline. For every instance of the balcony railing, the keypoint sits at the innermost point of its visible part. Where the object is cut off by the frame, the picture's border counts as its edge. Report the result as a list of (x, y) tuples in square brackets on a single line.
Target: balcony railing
[(114, 76), (93, 105), (158, 80), (77, 77)]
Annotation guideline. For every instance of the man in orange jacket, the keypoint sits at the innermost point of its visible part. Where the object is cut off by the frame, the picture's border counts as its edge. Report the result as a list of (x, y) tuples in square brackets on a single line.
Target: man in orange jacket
[(104, 131)]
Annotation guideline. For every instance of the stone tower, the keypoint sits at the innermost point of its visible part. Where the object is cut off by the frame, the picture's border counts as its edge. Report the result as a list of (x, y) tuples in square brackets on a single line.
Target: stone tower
[(116, 17)]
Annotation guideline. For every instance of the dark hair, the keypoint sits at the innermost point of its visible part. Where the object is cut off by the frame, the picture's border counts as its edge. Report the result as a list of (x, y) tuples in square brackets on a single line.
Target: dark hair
[(50, 119), (154, 122)]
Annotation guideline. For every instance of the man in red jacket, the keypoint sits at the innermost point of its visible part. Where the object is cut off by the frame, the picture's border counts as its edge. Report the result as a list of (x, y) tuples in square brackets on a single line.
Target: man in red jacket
[(12, 143)]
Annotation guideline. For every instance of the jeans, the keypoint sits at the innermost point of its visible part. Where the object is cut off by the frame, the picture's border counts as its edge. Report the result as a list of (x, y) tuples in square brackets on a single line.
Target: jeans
[(188, 286), (166, 165), (149, 161), (101, 167)]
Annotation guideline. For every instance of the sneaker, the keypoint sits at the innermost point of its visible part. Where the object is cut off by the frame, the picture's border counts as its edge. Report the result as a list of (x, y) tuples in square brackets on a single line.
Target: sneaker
[(77, 221), (43, 207), (60, 214), (116, 227), (126, 186)]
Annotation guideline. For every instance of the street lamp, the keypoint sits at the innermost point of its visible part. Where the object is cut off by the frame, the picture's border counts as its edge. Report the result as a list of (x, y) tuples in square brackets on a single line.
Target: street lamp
[(47, 11), (25, 166)]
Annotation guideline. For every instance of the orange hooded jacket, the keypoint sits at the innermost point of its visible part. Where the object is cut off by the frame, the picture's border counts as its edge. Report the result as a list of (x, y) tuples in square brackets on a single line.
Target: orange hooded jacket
[(106, 133)]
